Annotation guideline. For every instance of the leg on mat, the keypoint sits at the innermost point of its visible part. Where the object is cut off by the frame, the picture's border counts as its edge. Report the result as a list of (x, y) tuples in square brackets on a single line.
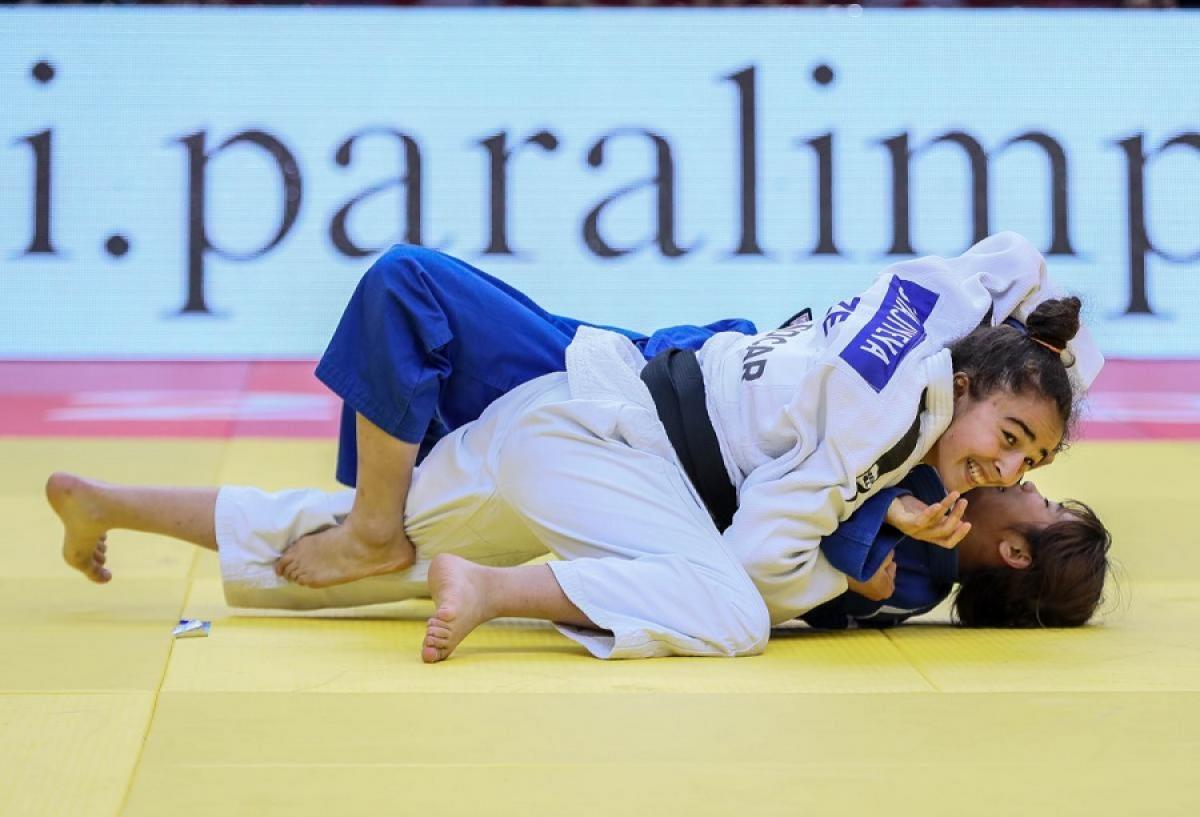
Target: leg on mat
[(89, 509)]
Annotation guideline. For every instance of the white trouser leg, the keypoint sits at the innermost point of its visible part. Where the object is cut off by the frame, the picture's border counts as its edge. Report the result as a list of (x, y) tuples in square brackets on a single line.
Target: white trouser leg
[(538, 470), (641, 557), (452, 508), (253, 529)]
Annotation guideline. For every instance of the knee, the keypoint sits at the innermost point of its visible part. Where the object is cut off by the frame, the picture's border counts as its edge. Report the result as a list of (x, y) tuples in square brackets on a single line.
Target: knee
[(398, 266), (752, 627), (403, 297)]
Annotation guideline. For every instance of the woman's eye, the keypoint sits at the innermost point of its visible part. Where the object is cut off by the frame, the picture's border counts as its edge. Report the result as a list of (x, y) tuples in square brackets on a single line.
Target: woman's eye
[(1010, 439)]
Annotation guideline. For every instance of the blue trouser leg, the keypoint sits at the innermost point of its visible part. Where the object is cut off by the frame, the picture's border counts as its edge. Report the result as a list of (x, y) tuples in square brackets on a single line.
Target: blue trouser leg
[(428, 341)]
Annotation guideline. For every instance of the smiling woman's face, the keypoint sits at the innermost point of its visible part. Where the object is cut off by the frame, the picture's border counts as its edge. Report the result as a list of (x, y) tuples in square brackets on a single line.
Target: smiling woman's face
[(994, 440), (993, 512)]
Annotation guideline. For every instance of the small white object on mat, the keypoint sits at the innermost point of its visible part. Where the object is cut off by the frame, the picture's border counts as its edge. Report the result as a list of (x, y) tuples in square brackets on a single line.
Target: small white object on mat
[(191, 628)]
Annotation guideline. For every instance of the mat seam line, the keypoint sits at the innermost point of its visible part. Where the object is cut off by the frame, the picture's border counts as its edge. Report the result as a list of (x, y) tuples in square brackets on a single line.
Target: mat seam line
[(137, 764), (908, 658)]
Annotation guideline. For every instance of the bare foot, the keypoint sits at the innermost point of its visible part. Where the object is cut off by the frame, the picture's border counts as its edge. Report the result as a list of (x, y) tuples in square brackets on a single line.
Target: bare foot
[(460, 590), (336, 556), (79, 503)]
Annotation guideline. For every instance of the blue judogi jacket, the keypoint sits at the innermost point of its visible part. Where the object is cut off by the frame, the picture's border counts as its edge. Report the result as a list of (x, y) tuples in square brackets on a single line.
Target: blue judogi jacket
[(925, 573), (427, 342)]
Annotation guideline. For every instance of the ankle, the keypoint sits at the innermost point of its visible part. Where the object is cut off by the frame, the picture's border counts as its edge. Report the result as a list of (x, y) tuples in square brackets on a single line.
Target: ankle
[(376, 532), (489, 592)]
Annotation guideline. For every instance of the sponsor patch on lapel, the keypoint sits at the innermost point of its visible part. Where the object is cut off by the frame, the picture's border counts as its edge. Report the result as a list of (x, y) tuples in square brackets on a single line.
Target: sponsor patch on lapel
[(895, 456), (896, 328), (868, 478)]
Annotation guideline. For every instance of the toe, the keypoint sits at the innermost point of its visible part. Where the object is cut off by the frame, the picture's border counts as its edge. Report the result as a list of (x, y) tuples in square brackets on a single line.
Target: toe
[(305, 578), (437, 635)]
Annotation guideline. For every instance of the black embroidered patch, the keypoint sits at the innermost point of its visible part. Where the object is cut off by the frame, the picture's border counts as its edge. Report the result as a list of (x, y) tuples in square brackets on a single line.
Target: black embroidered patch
[(803, 318), (895, 456)]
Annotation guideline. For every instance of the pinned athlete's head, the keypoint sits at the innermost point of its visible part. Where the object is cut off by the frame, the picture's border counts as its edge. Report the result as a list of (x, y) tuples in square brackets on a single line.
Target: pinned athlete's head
[(1013, 402), (1028, 561)]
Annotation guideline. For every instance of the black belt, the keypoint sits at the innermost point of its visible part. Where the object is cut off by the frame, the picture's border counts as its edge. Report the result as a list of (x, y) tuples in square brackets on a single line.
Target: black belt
[(677, 386)]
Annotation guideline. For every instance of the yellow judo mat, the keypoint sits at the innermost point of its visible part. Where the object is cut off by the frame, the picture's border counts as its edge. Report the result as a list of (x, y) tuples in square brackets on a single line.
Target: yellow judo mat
[(103, 713)]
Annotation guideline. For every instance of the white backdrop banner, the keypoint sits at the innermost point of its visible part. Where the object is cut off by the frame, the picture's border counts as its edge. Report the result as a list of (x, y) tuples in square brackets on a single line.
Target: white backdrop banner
[(211, 182)]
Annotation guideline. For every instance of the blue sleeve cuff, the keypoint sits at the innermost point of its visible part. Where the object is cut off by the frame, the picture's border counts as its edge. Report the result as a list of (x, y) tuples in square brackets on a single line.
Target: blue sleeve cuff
[(861, 543)]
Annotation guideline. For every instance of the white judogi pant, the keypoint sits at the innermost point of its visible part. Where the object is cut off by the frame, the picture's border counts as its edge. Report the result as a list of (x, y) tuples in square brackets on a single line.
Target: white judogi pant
[(539, 472)]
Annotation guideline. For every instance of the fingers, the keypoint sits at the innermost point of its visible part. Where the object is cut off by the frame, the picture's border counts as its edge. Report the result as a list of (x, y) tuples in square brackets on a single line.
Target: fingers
[(949, 523), (912, 515), (906, 512), (883, 583), (942, 522), (949, 530), (939, 510), (957, 535)]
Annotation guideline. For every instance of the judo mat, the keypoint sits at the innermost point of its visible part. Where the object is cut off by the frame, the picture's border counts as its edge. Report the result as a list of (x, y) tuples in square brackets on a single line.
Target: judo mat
[(103, 713)]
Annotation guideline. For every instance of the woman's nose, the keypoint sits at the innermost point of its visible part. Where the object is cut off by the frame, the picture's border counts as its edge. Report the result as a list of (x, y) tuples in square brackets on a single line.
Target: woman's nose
[(1011, 468)]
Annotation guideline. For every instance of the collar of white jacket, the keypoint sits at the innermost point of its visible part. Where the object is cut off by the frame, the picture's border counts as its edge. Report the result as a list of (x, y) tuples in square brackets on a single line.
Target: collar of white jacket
[(1083, 348), (1016, 292)]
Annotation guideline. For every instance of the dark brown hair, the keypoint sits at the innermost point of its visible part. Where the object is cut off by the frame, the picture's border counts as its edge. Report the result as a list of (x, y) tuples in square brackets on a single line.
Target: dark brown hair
[(1005, 357), (1062, 587)]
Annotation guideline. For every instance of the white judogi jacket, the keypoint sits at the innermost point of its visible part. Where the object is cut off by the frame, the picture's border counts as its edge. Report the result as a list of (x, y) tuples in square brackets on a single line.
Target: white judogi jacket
[(814, 419)]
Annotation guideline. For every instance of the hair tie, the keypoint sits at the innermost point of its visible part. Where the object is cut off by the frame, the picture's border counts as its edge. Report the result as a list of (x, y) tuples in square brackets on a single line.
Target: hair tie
[(1065, 355)]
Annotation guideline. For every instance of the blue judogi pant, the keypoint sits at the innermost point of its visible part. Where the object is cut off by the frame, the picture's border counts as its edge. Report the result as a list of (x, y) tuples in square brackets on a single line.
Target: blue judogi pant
[(428, 341)]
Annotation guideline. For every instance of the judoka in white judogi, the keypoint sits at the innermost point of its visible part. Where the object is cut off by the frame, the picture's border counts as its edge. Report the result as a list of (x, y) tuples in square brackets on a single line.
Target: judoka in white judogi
[(811, 420)]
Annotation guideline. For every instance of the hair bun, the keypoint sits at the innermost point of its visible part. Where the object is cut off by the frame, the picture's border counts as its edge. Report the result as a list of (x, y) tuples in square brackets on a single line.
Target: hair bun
[(1055, 322)]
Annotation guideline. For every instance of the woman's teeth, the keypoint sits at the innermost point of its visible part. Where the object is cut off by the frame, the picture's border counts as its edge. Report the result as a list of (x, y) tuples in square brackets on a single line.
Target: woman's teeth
[(975, 472)]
